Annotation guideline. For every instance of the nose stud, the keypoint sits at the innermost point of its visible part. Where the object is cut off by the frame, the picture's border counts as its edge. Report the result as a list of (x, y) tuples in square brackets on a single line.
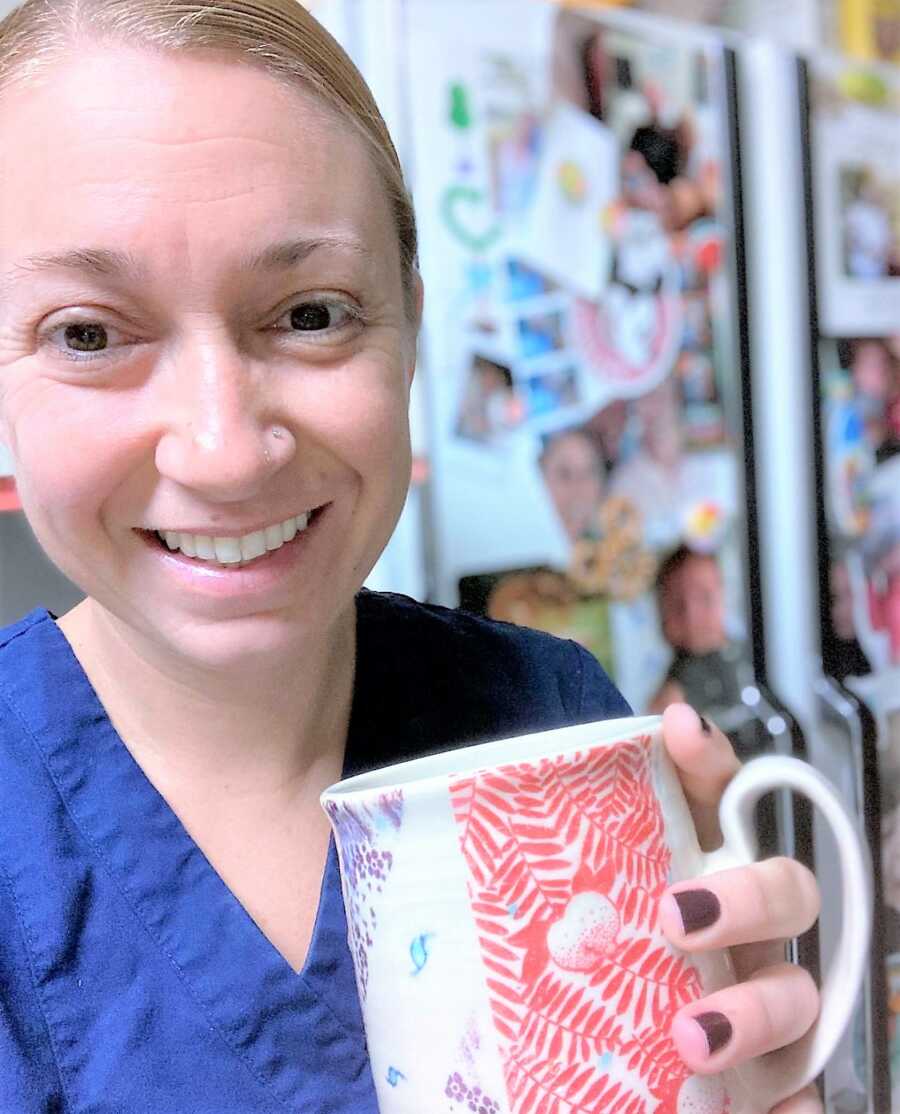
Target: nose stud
[(277, 432), (205, 440)]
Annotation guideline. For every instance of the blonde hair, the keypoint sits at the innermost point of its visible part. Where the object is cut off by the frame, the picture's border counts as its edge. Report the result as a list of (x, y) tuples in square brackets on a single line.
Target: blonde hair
[(279, 36)]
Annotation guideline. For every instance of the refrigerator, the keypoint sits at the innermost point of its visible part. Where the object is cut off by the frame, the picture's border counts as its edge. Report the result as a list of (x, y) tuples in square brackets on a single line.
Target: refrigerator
[(620, 355), (576, 179)]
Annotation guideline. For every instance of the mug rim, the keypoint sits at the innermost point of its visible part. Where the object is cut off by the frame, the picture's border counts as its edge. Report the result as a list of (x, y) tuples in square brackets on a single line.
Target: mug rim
[(463, 761)]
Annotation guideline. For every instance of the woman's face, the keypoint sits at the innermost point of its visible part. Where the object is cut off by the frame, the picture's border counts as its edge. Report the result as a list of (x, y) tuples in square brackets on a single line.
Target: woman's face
[(692, 607), (202, 331)]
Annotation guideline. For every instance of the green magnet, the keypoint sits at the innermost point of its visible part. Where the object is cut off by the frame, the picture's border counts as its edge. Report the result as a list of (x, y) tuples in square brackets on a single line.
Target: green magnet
[(460, 113)]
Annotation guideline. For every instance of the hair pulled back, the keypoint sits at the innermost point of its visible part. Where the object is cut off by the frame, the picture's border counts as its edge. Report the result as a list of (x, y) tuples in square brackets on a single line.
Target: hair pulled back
[(278, 36)]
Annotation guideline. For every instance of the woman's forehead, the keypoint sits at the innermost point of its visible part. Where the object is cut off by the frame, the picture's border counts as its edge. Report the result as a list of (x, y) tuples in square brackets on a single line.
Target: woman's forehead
[(185, 149)]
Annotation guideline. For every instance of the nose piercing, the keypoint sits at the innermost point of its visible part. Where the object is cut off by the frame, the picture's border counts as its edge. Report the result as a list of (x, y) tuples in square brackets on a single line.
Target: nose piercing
[(205, 440), (277, 432)]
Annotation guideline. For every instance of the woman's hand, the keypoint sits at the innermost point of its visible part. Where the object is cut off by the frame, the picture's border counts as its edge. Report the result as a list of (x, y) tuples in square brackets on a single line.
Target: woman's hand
[(753, 910)]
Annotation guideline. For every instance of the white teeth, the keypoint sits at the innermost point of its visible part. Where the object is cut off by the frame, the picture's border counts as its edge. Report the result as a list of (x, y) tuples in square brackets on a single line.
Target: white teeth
[(186, 543), (253, 545), (234, 551), (206, 551), (274, 540), (228, 550)]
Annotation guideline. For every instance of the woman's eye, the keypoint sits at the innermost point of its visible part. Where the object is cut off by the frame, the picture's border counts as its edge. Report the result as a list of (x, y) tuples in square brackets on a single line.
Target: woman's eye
[(317, 316), (82, 340), (86, 338)]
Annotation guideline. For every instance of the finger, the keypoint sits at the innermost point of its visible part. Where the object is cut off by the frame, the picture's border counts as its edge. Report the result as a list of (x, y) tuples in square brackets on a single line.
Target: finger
[(705, 761), (768, 901), (770, 1010), (806, 1101)]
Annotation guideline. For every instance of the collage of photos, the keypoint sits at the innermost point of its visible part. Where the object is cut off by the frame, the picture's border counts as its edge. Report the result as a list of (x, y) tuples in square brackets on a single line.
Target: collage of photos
[(861, 416), (598, 331), (856, 181)]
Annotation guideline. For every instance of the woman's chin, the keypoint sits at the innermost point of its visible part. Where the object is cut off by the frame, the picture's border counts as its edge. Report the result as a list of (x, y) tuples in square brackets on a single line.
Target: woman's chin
[(248, 643)]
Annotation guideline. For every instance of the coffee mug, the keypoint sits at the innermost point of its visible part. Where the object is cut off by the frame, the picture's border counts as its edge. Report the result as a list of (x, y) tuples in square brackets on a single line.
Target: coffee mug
[(502, 908)]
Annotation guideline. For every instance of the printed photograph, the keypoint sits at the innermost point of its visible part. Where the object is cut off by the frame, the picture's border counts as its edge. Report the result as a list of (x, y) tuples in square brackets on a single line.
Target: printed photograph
[(551, 392), (541, 334), (491, 407), (870, 210)]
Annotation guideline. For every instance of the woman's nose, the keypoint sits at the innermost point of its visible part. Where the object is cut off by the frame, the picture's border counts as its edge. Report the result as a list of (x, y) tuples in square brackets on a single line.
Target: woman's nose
[(221, 434)]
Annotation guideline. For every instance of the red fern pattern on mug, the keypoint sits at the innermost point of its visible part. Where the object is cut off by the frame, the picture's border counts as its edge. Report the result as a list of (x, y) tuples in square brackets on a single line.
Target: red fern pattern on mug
[(567, 861)]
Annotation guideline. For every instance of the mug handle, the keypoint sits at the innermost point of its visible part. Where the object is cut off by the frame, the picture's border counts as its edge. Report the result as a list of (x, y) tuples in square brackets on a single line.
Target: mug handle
[(792, 1068)]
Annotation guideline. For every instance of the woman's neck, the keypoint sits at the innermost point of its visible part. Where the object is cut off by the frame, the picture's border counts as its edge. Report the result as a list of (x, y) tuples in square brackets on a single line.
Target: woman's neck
[(223, 738)]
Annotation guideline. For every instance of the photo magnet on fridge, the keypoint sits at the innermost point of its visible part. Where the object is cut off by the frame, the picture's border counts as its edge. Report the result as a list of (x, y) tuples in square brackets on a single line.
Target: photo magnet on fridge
[(564, 235)]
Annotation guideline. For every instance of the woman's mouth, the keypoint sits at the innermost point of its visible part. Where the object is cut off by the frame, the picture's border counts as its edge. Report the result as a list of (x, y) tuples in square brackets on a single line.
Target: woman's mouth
[(234, 552)]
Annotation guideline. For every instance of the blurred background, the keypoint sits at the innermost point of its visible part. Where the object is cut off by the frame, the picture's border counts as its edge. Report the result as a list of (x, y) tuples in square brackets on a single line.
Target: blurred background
[(657, 408)]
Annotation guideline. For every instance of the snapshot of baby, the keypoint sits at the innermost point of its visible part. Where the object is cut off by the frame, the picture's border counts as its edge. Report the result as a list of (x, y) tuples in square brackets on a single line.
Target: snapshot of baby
[(871, 223), (706, 668)]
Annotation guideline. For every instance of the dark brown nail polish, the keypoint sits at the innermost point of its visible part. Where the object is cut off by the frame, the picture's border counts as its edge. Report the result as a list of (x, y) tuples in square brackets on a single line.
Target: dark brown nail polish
[(698, 908), (704, 726), (716, 1028)]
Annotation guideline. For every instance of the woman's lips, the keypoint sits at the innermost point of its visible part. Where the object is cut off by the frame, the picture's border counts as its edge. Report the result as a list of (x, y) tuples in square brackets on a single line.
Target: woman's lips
[(236, 578)]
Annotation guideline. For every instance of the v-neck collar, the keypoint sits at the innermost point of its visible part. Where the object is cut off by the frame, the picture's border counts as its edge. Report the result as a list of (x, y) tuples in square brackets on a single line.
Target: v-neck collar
[(245, 988)]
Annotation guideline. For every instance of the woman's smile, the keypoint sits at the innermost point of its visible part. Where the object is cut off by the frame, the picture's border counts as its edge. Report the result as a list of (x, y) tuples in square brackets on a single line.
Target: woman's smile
[(237, 547), (236, 568)]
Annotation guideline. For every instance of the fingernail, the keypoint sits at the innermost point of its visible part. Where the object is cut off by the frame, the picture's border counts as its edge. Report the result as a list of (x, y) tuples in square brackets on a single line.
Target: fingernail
[(698, 909), (716, 1028), (704, 726)]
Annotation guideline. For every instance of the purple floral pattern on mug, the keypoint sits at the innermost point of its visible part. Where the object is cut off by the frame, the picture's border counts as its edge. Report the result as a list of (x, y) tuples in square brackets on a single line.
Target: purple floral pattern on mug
[(365, 866), (466, 1098)]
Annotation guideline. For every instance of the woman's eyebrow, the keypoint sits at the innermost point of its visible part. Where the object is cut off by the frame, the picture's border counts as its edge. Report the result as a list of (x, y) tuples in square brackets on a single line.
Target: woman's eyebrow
[(288, 253), (107, 263), (100, 262)]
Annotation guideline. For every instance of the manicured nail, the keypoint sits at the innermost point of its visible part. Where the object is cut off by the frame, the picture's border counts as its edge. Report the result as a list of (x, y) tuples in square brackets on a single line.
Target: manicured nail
[(704, 726), (716, 1028), (698, 908)]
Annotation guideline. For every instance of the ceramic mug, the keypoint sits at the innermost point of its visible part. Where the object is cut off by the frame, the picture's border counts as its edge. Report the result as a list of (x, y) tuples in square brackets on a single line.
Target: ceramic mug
[(502, 913)]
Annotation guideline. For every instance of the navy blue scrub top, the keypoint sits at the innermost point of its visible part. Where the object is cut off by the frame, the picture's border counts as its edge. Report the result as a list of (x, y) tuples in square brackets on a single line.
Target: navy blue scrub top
[(132, 981)]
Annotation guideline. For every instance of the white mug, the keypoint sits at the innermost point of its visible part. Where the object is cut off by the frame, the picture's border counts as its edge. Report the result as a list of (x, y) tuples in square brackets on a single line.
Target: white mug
[(502, 907)]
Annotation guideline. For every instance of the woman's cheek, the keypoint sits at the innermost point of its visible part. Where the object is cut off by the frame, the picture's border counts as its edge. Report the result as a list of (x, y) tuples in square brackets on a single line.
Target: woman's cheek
[(67, 448), (363, 412)]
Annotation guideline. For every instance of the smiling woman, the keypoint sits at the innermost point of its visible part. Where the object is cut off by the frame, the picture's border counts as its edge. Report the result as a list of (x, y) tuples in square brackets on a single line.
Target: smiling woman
[(208, 316)]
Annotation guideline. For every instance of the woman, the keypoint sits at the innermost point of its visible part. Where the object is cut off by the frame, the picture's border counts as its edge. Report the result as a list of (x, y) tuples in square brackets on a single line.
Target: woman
[(207, 334)]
